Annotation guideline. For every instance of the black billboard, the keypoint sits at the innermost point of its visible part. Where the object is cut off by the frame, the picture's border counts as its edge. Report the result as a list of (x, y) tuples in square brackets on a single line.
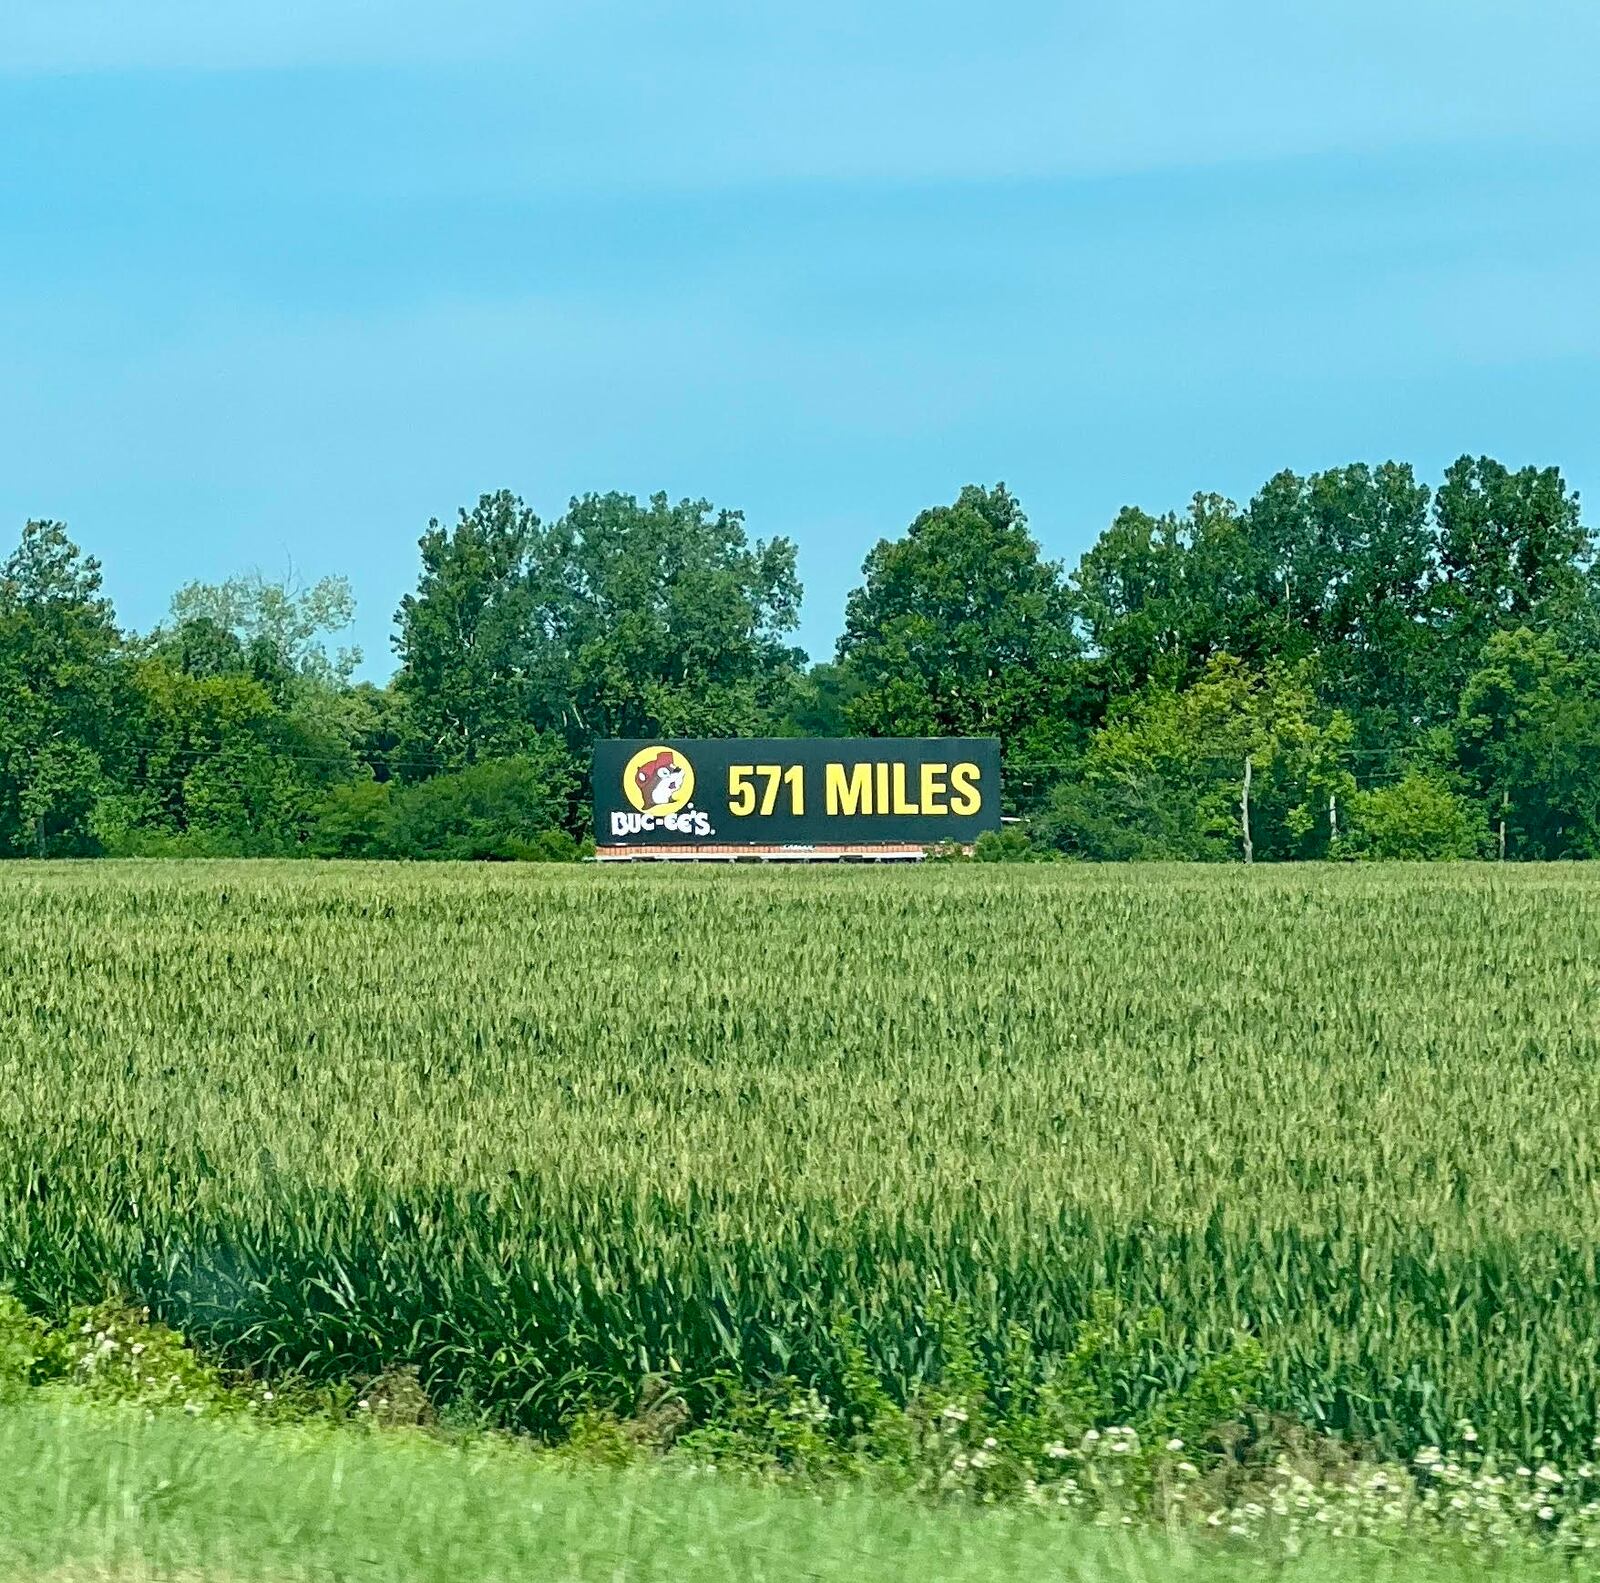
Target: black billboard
[(795, 791)]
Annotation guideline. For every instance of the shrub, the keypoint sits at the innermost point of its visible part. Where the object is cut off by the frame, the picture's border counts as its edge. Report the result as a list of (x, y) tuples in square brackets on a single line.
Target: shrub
[(1418, 819), (353, 820), (1011, 845), (505, 810)]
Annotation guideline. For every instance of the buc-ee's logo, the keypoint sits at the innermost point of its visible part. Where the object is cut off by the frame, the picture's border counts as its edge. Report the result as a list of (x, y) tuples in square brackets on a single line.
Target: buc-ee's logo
[(659, 784)]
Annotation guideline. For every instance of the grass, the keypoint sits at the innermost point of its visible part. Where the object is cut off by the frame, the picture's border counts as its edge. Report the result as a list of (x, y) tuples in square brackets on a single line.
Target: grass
[(540, 1133), (125, 1500)]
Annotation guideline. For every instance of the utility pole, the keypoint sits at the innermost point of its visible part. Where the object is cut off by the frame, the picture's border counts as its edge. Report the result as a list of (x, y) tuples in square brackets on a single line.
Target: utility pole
[(1244, 814)]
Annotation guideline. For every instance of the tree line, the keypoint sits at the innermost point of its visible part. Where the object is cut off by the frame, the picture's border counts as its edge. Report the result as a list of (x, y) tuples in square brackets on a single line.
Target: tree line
[(1408, 671)]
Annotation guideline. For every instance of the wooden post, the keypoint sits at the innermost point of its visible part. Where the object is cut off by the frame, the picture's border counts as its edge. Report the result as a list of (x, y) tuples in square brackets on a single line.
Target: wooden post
[(1244, 815), (1333, 818), (1505, 803)]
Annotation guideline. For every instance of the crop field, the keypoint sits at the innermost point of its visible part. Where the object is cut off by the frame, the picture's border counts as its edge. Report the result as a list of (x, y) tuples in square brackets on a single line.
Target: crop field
[(542, 1131)]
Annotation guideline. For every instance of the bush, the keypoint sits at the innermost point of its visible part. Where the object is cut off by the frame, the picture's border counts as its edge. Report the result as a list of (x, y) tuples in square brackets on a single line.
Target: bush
[(111, 1354), (1013, 845), (494, 810), (1417, 819), (198, 844), (353, 820), (1100, 825), (993, 846), (505, 810)]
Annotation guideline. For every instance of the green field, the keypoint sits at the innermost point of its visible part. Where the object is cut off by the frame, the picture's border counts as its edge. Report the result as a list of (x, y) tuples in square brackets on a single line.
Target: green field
[(541, 1132)]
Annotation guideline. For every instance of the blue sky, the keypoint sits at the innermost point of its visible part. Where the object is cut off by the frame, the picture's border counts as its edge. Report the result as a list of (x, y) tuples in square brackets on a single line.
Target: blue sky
[(279, 283)]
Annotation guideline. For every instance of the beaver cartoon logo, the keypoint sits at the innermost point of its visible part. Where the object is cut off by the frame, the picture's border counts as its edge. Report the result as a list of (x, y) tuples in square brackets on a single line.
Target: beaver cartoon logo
[(661, 780), (658, 783)]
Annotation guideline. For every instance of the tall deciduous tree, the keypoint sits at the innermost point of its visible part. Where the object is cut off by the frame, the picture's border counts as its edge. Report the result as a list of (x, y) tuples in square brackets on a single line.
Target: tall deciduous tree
[(475, 652), (1345, 565), (1512, 552), (618, 619), (1336, 567), (1159, 596), (670, 620), (58, 644), (962, 628), (216, 763), (282, 623), (1528, 732)]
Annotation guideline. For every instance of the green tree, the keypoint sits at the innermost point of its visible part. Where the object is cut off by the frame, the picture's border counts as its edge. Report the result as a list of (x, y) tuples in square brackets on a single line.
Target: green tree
[(1344, 570), (283, 624), (1512, 552), (353, 819), (961, 628), (619, 619), (1163, 777), (819, 703), (474, 652), (279, 633), (375, 725), (511, 808), (58, 680), (1160, 596), (674, 621), (236, 718), (1527, 734), (215, 763), (1335, 568)]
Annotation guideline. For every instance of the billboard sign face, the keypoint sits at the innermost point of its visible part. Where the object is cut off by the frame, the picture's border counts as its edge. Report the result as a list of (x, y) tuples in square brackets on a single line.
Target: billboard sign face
[(795, 791)]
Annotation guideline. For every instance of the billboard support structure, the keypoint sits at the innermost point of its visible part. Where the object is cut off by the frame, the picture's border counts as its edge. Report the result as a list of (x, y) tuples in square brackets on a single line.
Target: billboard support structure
[(859, 799)]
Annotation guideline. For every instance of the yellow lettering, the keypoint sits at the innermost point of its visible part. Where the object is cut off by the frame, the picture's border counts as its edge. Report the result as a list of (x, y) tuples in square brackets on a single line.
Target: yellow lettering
[(965, 798), (902, 804), (795, 779), (932, 788), (880, 775), (852, 795), (773, 774)]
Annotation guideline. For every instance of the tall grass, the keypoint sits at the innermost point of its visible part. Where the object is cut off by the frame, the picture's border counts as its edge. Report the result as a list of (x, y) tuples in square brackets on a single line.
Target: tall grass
[(92, 1500), (541, 1133)]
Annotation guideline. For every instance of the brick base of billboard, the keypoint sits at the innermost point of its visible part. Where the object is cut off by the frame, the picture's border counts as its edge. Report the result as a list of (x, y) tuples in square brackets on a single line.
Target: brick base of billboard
[(760, 854)]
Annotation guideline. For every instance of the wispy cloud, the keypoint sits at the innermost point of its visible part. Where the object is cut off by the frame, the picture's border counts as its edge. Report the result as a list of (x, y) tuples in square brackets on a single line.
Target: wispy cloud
[(700, 94)]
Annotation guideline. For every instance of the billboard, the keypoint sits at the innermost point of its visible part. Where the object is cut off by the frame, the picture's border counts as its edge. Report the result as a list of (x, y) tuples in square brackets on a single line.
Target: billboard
[(795, 792)]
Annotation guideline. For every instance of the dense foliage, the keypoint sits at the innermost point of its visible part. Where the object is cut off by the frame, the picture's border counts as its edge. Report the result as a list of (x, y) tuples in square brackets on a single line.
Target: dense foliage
[(540, 1134), (1410, 672)]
